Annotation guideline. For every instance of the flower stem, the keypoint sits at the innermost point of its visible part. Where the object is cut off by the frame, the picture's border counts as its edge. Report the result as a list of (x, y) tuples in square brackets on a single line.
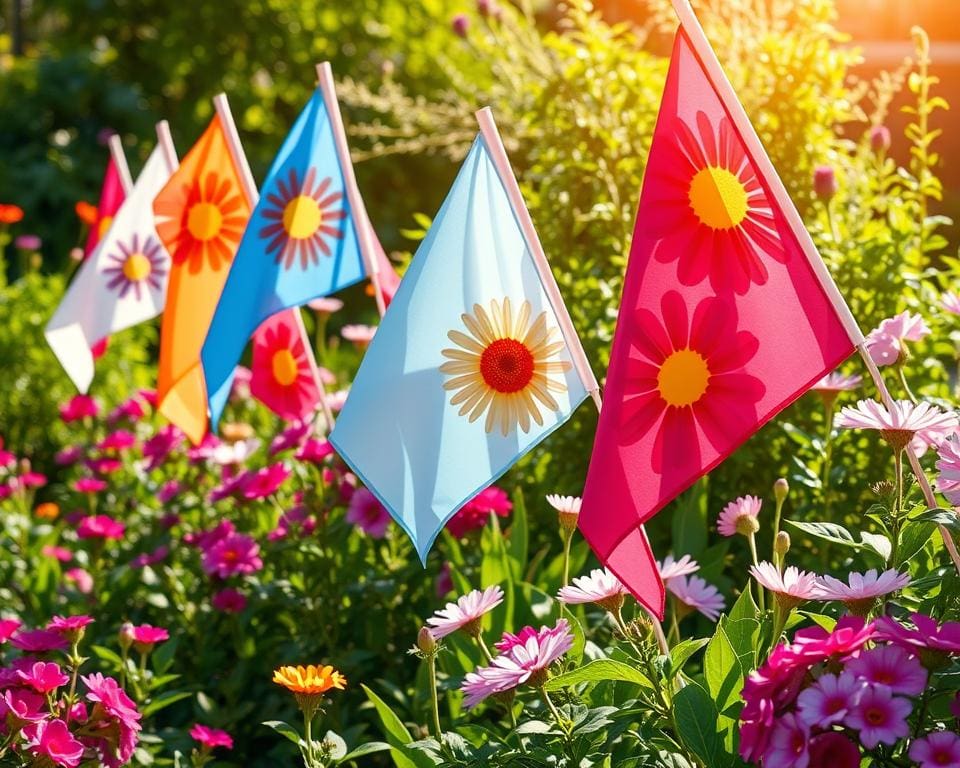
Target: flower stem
[(903, 382), (308, 738), (483, 647), (553, 710), (752, 538), (827, 463), (568, 542), (434, 701)]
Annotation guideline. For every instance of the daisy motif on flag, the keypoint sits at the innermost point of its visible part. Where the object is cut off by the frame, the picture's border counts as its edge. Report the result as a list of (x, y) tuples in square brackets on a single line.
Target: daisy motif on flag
[(688, 376), (203, 222), (711, 210), (282, 370), (302, 218), (503, 367), (130, 266)]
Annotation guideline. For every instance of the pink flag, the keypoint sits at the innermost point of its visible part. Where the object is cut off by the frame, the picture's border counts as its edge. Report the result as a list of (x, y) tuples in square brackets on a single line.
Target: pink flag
[(283, 368), (727, 315), (112, 196)]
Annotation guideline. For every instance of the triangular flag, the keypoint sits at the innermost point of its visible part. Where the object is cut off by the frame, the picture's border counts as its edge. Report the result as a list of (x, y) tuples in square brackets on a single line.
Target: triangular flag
[(123, 283), (112, 195), (727, 316), (283, 370), (472, 365), (201, 215)]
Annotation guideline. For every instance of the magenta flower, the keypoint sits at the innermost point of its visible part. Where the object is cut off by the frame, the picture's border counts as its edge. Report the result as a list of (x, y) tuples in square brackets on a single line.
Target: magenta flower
[(466, 613), (69, 455), (671, 569), (235, 554), (899, 425), (145, 636), (834, 750), (119, 440), (62, 554), (81, 579), (117, 713), (204, 540), (886, 342), (740, 516), (211, 737), (696, 594), (71, 627), (89, 485), (367, 513), (314, 451), (43, 677), (30, 480), (509, 641), (476, 512), (79, 407), (104, 465), (7, 628), (229, 600), (829, 700), (265, 482), (129, 410), (927, 635), (880, 717), (292, 437), (156, 450), (25, 705), (891, 666), (38, 641), (936, 750), (168, 491), (51, 739), (788, 743), (100, 527), (825, 184)]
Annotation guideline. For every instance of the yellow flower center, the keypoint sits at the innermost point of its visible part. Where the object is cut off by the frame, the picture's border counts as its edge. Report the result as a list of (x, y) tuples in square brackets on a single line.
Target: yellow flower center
[(104, 226), (204, 221), (136, 267), (302, 217), (683, 378), (718, 198), (284, 366)]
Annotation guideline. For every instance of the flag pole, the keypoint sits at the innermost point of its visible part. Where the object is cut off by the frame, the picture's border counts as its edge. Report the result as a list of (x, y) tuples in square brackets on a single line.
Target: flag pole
[(120, 161), (728, 97), (491, 137), (314, 370), (361, 221), (253, 197), (165, 140)]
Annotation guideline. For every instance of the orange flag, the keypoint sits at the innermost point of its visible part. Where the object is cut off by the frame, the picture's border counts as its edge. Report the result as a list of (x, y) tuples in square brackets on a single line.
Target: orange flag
[(201, 214)]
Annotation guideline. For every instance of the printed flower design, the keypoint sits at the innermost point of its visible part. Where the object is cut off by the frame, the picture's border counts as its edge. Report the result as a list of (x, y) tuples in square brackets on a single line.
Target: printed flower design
[(503, 367), (133, 265), (282, 377), (302, 219), (202, 222), (713, 216), (687, 376)]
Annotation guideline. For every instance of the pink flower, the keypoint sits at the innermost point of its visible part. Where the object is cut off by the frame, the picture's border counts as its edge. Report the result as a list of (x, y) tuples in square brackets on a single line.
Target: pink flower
[(359, 335), (509, 641), (104, 465), (948, 465), (30, 480), (367, 513), (7, 628), (314, 451), (204, 540), (671, 569), (443, 585), (69, 626), (229, 600), (937, 750), (825, 184), (476, 512), (145, 636), (600, 587), (834, 750), (62, 554), (24, 705), (886, 342), (38, 641), (100, 527), (119, 717), (161, 445), (150, 558), (265, 482), (43, 677), (466, 613), (130, 410), (836, 382), (292, 437), (119, 440), (862, 589), (211, 737), (901, 423), (168, 491), (69, 455), (788, 743), (240, 389), (950, 302), (891, 666), (696, 594), (325, 305), (233, 555), (89, 485), (53, 740), (815, 644), (82, 580), (927, 635), (526, 663), (880, 717), (740, 516), (829, 700), (79, 407), (7, 459), (790, 588)]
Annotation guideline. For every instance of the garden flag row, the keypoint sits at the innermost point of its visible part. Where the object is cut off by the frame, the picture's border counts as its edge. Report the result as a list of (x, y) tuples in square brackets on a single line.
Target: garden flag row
[(728, 314), (123, 282), (474, 363)]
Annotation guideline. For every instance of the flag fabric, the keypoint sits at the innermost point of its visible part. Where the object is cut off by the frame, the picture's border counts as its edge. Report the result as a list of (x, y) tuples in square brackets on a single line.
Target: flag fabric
[(723, 321), (386, 275), (302, 243), (112, 196), (283, 370), (467, 371), (201, 214), (123, 283)]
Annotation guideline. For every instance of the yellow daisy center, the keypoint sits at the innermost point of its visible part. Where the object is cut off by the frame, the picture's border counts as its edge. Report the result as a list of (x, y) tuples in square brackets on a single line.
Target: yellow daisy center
[(302, 217), (718, 198), (104, 226), (683, 378), (284, 366), (136, 267), (204, 221)]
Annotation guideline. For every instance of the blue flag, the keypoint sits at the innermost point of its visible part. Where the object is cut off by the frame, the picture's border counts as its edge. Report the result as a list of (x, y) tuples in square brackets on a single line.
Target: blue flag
[(301, 243), (468, 370)]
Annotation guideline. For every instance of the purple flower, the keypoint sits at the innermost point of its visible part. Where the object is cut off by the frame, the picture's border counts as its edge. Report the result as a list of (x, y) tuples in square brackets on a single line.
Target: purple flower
[(28, 243), (460, 24), (788, 743), (829, 700), (891, 666), (936, 750), (880, 717)]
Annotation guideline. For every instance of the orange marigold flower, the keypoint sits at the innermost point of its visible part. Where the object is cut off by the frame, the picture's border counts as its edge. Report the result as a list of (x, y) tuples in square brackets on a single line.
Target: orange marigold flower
[(310, 679), (86, 212), (10, 214), (47, 511)]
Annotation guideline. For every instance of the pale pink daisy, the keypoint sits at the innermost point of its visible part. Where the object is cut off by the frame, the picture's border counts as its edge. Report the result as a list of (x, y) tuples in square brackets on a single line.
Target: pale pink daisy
[(671, 569), (937, 750), (228, 454), (359, 335), (860, 591), (600, 587), (790, 588), (880, 717), (950, 302), (696, 594), (901, 423), (466, 613), (325, 305), (788, 743), (891, 666), (830, 386), (829, 700), (740, 516), (886, 342), (948, 465)]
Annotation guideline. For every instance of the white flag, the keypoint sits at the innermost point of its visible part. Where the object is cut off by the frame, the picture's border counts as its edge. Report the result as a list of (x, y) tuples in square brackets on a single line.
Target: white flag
[(122, 283)]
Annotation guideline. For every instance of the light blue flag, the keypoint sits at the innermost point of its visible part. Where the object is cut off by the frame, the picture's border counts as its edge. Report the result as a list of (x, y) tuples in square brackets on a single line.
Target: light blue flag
[(301, 243), (468, 370)]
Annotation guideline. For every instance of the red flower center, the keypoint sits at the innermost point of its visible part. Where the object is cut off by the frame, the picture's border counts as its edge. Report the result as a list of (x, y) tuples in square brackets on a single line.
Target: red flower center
[(875, 716), (506, 365)]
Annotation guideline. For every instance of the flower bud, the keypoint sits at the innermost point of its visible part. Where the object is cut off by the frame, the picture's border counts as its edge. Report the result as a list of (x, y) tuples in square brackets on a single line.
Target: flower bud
[(825, 184), (460, 24), (126, 637), (880, 139), (782, 544), (780, 489), (76, 254), (426, 642)]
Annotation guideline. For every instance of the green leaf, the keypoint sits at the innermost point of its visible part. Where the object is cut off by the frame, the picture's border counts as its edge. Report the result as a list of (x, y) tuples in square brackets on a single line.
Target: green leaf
[(723, 670), (690, 520), (397, 734), (745, 607), (518, 538), (828, 532), (597, 671), (878, 543), (945, 517), (913, 538), (696, 716), (681, 653), (165, 699), (284, 729), (365, 749)]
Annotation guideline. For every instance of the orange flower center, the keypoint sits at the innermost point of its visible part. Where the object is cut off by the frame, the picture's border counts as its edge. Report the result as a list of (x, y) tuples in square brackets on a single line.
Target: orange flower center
[(718, 198), (506, 365), (284, 366), (302, 217), (104, 226), (683, 378), (136, 267), (204, 221)]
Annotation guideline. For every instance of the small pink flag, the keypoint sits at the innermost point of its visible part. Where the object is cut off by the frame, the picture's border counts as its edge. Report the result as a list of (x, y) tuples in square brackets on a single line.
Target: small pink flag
[(112, 196), (283, 367), (727, 316)]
